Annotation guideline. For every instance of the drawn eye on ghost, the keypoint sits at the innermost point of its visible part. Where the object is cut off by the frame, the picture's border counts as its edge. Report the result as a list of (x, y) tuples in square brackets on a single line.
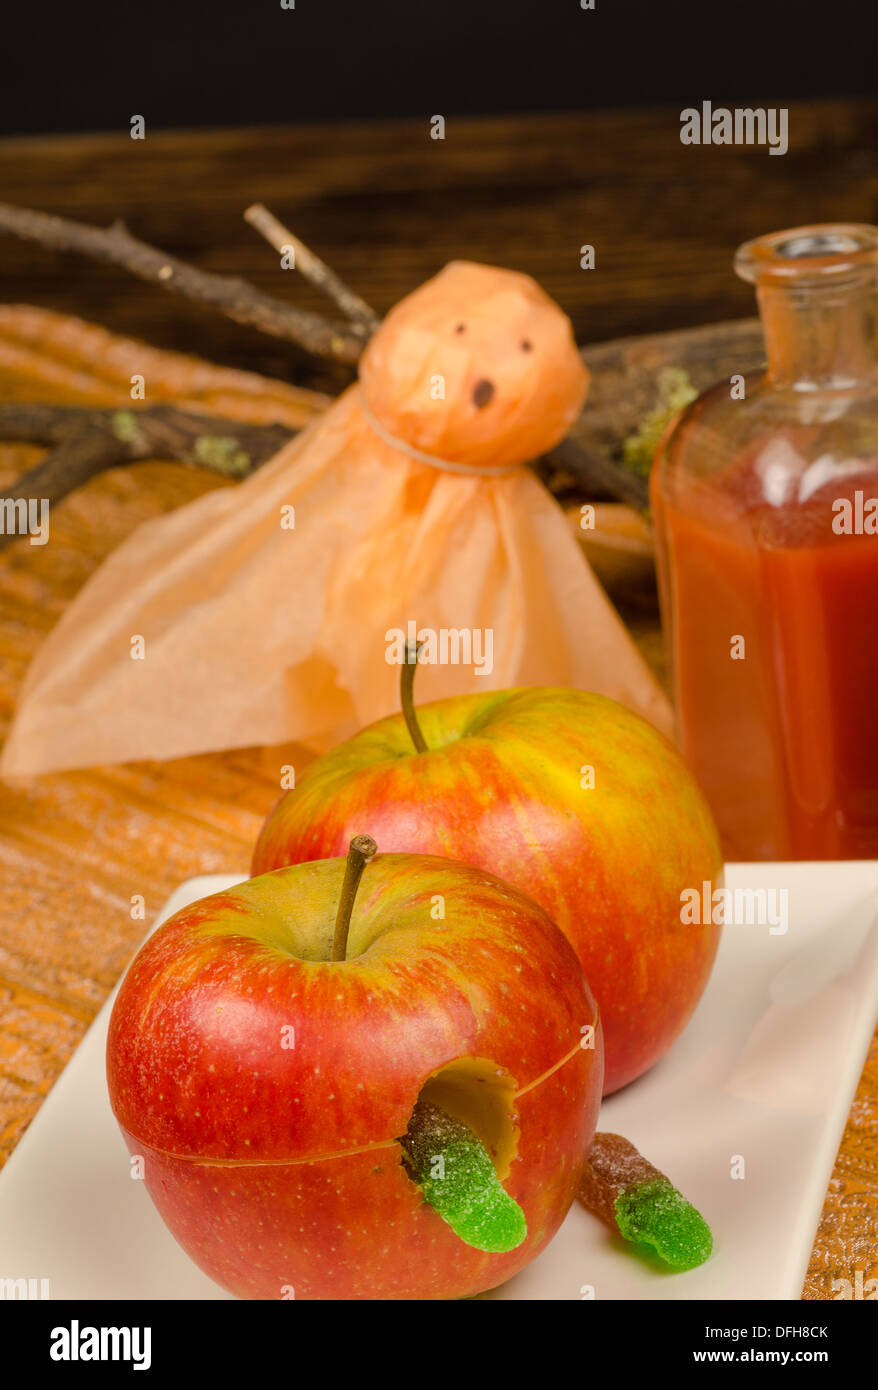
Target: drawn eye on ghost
[(484, 389)]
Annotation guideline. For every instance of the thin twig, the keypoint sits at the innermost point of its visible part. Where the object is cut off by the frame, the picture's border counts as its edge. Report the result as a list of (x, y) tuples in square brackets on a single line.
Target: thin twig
[(86, 442), (85, 452), (315, 270), (234, 297), (596, 473)]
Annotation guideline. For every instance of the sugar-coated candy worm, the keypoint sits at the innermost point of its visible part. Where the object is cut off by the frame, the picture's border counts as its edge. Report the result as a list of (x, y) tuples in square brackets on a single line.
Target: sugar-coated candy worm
[(455, 1172), (640, 1204)]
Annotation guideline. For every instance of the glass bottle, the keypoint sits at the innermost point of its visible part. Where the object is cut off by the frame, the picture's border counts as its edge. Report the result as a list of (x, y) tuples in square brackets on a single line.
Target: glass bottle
[(765, 498)]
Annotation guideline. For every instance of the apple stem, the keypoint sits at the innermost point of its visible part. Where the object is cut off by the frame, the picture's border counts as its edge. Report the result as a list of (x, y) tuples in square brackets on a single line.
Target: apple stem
[(360, 851), (406, 685)]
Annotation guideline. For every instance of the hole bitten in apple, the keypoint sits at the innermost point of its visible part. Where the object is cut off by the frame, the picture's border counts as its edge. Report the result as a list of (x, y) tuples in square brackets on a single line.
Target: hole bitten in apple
[(481, 1095), (455, 1168)]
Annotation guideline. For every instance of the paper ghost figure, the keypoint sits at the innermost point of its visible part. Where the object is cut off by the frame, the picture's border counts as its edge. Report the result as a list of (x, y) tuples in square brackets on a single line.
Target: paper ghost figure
[(411, 511)]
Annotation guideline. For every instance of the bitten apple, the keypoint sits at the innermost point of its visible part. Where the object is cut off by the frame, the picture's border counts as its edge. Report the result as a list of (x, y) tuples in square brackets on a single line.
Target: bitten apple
[(580, 803), (267, 1084)]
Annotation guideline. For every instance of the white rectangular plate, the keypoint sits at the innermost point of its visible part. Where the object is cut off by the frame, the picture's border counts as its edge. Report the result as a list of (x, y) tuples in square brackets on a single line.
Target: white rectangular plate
[(760, 1082)]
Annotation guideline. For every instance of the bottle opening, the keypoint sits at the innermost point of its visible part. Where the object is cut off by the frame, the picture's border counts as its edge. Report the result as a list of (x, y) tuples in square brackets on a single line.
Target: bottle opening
[(820, 253), (482, 1096), (818, 244)]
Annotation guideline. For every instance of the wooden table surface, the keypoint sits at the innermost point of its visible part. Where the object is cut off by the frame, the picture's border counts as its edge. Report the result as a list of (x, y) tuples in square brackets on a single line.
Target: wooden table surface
[(386, 206)]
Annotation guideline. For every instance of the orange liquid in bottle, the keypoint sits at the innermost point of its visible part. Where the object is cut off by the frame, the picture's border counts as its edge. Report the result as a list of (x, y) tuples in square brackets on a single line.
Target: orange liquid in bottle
[(775, 658)]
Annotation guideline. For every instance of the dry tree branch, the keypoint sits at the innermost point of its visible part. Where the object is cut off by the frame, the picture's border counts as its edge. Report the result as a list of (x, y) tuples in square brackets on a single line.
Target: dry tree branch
[(600, 475), (87, 441), (234, 297), (237, 299), (361, 315)]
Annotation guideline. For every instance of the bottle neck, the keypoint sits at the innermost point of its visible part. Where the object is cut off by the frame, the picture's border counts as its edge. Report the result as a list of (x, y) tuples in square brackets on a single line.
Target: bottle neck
[(821, 336)]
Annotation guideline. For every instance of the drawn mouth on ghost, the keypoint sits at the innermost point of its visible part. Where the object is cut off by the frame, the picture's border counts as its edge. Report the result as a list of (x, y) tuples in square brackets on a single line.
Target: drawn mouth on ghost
[(483, 393)]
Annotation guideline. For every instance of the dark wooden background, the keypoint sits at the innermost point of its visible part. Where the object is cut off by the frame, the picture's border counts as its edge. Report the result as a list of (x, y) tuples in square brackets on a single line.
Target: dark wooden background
[(387, 207)]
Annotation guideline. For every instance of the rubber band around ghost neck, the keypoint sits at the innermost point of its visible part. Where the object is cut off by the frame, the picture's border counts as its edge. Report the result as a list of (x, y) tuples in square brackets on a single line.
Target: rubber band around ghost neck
[(466, 470)]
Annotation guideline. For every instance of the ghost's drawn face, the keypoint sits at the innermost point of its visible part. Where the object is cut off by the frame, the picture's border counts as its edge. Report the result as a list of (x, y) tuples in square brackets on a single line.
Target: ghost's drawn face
[(478, 366)]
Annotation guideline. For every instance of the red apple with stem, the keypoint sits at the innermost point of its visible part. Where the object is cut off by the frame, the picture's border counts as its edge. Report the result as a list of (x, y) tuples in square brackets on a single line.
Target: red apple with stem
[(580, 803), (269, 1045)]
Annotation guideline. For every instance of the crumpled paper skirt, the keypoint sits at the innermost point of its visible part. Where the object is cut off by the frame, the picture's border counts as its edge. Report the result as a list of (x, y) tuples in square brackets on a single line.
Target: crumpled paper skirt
[(255, 631)]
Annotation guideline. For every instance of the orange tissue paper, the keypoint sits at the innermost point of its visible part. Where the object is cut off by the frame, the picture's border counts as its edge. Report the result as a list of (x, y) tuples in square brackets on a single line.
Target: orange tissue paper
[(275, 610)]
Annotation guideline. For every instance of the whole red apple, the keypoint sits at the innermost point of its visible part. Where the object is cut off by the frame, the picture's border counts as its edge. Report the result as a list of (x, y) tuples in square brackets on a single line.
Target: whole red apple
[(267, 1085), (580, 803)]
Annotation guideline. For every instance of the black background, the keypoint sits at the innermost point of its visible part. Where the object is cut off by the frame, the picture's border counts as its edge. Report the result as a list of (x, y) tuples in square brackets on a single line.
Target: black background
[(194, 63)]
